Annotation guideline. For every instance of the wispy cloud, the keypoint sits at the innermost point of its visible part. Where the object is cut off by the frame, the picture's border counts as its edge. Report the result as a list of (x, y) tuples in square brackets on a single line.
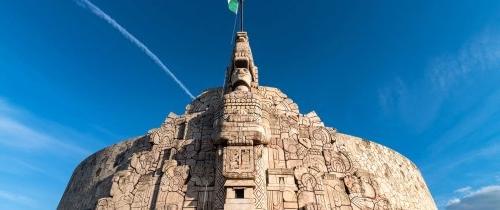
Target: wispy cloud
[(463, 190), (445, 74), (101, 14), (440, 168), (487, 197), (476, 119), (480, 54), (20, 135), (17, 198), (23, 131), (22, 168), (38, 154), (35, 152)]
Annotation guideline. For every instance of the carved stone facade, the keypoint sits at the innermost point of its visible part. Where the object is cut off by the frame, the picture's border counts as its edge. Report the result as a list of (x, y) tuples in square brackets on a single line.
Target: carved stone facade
[(246, 146)]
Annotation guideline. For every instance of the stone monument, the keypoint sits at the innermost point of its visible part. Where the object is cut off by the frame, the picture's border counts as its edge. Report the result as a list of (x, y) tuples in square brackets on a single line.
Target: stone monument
[(243, 147)]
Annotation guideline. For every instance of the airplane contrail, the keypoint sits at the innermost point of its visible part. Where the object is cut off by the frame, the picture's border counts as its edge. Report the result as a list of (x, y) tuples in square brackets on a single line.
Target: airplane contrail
[(98, 12)]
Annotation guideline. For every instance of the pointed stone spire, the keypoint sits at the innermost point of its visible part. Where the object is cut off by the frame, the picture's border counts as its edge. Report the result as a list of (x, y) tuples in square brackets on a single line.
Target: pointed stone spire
[(242, 73)]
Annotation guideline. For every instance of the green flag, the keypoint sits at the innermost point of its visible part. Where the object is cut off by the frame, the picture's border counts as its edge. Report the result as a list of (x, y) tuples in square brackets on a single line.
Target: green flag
[(233, 5)]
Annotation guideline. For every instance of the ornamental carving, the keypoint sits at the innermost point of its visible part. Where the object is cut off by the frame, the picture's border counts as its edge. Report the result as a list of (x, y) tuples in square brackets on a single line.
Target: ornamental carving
[(172, 185), (320, 136), (239, 162), (337, 162), (361, 188)]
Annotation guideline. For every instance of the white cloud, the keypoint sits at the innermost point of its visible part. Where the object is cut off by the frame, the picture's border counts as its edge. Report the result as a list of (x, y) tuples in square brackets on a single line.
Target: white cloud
[(486, 198), (453, 201), (464, 189)]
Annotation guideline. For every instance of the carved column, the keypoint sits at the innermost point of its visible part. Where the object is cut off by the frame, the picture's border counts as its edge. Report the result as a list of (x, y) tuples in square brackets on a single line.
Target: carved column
[(219, 191), (261, 158)]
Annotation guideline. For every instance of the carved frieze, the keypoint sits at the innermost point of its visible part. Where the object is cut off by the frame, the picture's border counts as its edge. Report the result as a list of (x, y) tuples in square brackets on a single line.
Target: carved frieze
[(239, 162), (241, 121)]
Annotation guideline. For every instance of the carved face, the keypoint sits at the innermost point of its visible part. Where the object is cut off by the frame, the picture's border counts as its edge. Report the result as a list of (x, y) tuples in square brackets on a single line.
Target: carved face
[(241, 77)]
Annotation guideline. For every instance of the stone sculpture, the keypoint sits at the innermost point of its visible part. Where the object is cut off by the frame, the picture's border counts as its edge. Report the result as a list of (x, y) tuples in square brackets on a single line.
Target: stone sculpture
[(245, 146)]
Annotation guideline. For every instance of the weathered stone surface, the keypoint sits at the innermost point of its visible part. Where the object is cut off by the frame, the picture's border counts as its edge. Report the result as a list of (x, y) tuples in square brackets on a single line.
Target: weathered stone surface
[(246, 146)]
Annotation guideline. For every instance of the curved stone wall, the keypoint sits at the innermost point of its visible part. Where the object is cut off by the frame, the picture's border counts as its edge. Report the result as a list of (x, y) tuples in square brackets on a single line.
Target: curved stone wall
[(398, 179), (277, 159), (92, 178)]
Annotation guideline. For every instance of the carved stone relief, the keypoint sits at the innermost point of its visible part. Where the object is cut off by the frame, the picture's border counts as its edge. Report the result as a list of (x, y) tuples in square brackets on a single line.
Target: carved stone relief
[(250, 144), (337, 162), (172, 186), (239, 162), (336, 193), (361, 188)]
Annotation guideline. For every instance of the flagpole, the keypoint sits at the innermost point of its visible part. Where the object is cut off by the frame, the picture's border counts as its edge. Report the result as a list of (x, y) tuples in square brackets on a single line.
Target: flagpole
[(241, 15)]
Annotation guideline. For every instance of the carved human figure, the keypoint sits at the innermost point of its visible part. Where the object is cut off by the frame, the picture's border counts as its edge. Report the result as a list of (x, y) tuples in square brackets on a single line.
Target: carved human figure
[(143, 192), (309, 184), (234, 161), (336, 193), (142, 162), (174, 176), (241, 77), (172, 190), (362, 192), (202, 174), (121, 189)]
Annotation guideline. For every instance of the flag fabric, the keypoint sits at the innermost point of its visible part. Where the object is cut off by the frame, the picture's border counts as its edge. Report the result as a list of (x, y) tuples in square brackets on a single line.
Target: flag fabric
[(233, 5)]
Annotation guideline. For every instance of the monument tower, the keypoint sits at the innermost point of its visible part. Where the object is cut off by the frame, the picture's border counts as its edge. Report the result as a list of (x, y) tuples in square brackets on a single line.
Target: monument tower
[(242, 147)]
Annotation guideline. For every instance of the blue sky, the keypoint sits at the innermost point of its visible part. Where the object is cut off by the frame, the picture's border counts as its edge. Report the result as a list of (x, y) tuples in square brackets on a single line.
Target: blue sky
[(421, 77)]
